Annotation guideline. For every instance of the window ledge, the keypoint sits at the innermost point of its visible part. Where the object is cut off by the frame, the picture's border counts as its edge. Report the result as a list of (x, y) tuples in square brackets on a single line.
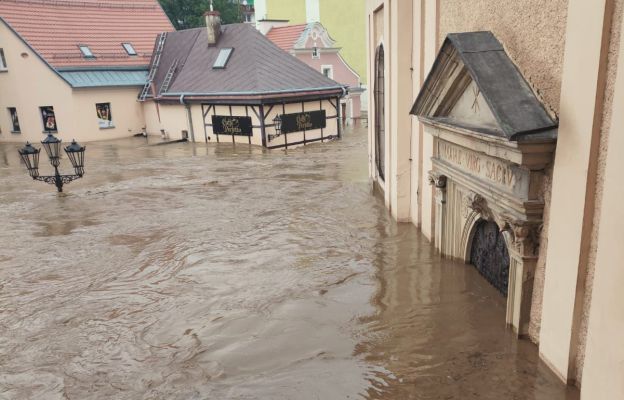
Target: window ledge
[(52, 132), (107, 127), (4, 70), (16, 132)]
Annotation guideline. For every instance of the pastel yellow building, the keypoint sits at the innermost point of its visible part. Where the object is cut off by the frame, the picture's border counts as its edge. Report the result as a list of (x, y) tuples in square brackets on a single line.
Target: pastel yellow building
[(510, 160)]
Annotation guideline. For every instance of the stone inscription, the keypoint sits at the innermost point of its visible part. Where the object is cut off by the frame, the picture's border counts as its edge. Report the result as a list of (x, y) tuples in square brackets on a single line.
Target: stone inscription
[(480, 165)]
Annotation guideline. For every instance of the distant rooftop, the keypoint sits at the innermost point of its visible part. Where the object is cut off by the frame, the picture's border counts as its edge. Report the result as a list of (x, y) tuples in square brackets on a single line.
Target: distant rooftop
[(57, 28), (285, 37), (255, 67)]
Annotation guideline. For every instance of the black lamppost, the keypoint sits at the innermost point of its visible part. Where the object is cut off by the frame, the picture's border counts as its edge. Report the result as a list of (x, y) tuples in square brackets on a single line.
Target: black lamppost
[(277, 123), (52, 146)]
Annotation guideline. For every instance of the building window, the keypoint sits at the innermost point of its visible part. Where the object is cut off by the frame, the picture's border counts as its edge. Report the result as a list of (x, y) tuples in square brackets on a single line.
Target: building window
[(129, 49), (380, 114), (3, 64), (15, 126), (86, 51), (105, 118), (49, 119), (328, 71), (316, 54), (222, 58)]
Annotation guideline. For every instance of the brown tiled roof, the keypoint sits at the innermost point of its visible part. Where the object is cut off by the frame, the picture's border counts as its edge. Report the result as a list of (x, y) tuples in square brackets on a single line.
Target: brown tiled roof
[(55, 28), (256, 68), (286, 36)]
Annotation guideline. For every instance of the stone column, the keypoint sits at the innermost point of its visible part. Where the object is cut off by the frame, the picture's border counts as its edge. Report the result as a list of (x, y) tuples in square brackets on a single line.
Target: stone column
[(522, 244)]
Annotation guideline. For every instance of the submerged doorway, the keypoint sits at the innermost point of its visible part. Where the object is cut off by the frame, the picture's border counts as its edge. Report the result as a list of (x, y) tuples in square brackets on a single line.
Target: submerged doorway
[(380, 114), (489, 254)]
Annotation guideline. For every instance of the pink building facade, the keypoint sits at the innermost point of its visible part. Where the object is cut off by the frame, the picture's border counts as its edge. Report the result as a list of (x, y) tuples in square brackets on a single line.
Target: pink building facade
[(312, 44)]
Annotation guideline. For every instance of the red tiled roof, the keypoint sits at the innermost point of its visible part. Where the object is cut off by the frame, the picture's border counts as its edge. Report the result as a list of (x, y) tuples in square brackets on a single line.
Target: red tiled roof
[(285, 37), (55, 28)]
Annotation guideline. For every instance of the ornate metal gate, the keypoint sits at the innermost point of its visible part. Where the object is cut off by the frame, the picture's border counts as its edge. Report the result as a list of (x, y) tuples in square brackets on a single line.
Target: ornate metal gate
[(489, 254)]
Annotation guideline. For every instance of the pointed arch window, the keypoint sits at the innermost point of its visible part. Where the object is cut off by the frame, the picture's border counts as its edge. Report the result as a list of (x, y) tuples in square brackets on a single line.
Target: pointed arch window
[(380, 113)]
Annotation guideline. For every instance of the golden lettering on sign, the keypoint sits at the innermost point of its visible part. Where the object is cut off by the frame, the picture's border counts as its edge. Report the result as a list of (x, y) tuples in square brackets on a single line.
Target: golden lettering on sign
[(480, 165), (231, 125), (304, 121)]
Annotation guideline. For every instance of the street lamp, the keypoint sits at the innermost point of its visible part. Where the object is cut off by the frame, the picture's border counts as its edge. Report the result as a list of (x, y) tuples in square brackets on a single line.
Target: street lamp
[(52, 146), (277, 123)]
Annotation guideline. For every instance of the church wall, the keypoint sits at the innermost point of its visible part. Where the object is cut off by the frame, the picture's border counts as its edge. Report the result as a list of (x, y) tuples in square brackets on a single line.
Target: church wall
[(607, 126), (574, 182), (570, 317), (603, 363)]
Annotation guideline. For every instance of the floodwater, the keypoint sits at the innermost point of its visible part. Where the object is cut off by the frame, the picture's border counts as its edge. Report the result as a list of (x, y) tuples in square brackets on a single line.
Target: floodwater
[(212, 272)]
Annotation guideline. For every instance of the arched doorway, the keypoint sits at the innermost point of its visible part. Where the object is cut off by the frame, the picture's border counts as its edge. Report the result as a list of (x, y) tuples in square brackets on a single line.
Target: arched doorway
[(380, 113), (489, 254)]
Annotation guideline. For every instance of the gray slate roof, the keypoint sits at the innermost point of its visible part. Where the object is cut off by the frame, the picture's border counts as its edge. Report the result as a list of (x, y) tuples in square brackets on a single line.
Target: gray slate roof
[(514, 105), (256, 66)]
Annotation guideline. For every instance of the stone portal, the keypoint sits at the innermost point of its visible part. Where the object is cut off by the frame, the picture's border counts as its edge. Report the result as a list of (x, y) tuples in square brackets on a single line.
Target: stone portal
[(493, 140)]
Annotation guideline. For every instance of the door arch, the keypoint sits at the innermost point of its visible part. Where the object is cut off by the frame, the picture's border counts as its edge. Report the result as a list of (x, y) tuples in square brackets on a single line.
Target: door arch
[(489, 254), (380, 113)]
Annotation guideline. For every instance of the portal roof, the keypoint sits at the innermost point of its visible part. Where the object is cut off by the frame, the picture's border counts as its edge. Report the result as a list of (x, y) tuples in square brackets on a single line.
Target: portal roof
[(480, 58)]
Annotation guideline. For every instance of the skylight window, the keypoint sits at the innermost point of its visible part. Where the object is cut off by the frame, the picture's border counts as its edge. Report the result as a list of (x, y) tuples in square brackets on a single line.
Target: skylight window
[(86, 51), (129, 49), (222, 58)]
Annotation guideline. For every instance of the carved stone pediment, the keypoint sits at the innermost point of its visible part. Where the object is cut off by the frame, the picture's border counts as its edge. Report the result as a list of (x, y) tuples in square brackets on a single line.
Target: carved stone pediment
[(473, 84)]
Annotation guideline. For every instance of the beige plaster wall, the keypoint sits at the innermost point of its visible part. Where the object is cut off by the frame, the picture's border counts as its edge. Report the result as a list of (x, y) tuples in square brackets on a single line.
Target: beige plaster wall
[(126, 112), (28, 84), (532, 31), (431, 45), (605, 132), (603, 370), (571, 210), (401, 100)]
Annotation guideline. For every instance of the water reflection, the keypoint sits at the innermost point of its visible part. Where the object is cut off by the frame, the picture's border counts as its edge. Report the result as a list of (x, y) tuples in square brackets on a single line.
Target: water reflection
[(212, 272)]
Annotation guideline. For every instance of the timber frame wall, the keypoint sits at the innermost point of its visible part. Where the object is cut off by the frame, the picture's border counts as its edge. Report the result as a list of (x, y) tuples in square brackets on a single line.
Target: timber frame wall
[(263, 124)]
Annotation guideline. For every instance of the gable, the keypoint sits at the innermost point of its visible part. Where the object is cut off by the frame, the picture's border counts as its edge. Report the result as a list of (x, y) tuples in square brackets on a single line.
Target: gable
[(471, 110), (315, 35), (473, 84)]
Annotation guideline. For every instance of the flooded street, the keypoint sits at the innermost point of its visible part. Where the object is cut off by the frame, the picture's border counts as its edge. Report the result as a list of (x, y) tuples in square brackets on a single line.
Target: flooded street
[(193, 271)]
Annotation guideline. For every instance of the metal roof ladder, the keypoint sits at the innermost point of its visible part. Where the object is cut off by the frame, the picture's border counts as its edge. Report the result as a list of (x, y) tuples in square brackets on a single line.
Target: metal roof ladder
[(168, 77), (152, 73)]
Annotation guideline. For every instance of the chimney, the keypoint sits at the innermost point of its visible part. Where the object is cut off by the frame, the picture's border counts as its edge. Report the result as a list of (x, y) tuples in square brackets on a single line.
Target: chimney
[(213, 26)]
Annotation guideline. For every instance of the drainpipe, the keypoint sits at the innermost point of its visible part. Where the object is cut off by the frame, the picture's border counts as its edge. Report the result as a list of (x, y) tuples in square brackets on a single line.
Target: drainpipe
[(189, 116)]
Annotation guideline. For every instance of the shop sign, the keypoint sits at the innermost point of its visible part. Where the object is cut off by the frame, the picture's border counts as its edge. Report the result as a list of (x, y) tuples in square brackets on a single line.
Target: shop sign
[(229, 125), (304, 121)]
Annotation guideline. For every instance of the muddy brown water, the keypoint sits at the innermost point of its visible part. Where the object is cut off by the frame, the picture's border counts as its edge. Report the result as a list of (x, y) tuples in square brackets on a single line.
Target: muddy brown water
[(212, 272)]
